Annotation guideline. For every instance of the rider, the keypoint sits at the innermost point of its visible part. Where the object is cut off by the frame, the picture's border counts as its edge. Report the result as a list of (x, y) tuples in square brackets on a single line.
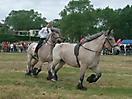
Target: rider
[(43, 34)]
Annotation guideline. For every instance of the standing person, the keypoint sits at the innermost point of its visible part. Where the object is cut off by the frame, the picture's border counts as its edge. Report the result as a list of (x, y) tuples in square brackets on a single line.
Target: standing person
[(43, 34)]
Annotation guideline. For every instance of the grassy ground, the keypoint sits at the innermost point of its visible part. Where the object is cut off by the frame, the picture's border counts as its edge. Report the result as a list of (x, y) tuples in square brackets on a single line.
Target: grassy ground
[(115, 83)]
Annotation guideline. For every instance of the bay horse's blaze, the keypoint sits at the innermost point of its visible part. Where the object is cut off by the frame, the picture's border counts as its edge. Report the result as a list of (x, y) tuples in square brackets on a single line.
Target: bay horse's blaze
[(88, 56), (44, 54)]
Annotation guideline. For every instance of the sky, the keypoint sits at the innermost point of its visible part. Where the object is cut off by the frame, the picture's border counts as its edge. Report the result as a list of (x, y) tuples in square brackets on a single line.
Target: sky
[(50, 9)]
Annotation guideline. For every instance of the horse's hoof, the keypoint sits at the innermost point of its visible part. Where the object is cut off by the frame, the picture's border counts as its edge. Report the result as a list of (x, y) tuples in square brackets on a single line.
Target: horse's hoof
[(28, 74), (91, 78), (49, 78), (82, 88), (54, 80), (35, 74), (56, 77), (35, 71), (49, 75)]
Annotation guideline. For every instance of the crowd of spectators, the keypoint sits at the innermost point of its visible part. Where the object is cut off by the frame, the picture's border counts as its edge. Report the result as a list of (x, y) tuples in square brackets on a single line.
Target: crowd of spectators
[(126, 49), (14, 47)]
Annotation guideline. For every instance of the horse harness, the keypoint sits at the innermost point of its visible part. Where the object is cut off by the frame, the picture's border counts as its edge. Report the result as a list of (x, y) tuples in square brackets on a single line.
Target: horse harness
[(76, 51), (77, 47), (47, 39)]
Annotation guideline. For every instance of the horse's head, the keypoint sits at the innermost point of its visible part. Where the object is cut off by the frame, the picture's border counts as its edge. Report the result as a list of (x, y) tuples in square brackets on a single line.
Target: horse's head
[(110, 43), (55, 36)]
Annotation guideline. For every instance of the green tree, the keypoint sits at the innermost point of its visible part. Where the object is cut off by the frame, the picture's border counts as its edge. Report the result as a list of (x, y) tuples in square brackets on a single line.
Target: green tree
[(119, 20), (24, 20), (75, 23), (79, 18), (124, 26), (55, 23), (104, 18)]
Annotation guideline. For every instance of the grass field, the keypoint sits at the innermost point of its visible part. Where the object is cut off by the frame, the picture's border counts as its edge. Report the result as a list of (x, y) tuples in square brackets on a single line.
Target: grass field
[(115, 83)]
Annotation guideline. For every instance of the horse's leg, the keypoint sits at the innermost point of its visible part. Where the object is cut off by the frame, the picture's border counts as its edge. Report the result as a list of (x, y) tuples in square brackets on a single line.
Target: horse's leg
[(34, 62), (57, 68), (37, 70), (51, 73), (49, 77), (28, 71), (80, 82), (61, 63), (93, 77)]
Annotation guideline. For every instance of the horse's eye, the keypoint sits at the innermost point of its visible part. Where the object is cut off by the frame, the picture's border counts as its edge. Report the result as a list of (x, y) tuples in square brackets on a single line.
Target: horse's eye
[(110, 39)]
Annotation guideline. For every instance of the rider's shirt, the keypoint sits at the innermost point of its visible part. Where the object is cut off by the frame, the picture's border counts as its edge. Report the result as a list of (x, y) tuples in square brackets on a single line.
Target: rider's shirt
[(44, 32)]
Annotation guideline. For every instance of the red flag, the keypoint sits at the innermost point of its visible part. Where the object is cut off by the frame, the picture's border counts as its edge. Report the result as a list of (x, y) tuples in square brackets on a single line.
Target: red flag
[(82, 40), (118, 41)]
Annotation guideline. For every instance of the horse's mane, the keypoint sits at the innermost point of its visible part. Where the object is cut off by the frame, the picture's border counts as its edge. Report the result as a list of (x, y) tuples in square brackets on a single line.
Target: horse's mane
[(55, 29), (94, 36)]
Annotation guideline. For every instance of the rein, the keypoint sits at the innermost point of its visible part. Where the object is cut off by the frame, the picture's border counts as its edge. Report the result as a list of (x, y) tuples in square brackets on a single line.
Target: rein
[(50, 42), (110, 43), (103, 46), (91, 50)]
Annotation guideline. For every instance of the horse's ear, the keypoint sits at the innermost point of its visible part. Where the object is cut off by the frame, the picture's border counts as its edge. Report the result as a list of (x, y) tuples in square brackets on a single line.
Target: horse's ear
[(52, 30), (109, 32)]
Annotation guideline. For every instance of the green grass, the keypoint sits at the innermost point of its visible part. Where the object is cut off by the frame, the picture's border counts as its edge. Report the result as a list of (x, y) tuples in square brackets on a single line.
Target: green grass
[(115, 83)]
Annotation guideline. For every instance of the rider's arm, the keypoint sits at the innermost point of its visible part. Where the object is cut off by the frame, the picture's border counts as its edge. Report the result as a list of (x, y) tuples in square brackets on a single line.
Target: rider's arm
[(42, 33)]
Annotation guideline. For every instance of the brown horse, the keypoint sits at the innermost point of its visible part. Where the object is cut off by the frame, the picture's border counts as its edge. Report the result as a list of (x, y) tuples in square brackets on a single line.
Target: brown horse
[(44, 53), (84, 56)]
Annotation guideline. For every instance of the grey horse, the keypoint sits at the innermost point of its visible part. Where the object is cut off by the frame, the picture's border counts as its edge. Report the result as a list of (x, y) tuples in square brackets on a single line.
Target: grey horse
[(84, 55), (44, 53)]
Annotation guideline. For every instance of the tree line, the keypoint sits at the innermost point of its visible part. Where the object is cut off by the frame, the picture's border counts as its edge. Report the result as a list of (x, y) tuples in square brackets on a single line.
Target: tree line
[(78, 19)]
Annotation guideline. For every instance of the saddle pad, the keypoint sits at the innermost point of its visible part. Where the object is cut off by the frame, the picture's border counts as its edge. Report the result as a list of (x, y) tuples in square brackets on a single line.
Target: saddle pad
[(76, 49)]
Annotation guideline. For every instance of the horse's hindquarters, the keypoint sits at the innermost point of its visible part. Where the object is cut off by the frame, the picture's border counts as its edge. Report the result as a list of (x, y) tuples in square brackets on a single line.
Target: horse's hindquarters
[(31, 48), (62, 52)]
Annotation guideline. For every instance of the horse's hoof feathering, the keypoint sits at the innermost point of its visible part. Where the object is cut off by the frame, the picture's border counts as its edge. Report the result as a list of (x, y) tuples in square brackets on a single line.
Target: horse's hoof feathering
[(53, 80), (81, 88), (91, 78)]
